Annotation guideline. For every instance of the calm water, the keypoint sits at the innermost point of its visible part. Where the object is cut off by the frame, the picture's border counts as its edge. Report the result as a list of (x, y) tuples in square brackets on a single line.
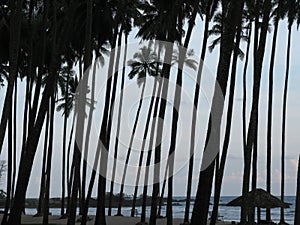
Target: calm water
[(225, 213)]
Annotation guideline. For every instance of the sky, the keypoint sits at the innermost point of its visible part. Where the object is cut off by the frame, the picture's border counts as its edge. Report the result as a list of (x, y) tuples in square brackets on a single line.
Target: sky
[(233, 172)]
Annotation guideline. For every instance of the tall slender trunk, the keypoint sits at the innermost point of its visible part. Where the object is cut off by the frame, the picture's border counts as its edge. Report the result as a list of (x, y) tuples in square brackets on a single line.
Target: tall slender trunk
[(15, 30), (43, 173), (245, 86), (159, 131), (9, 168), (118, 128), (25, 113), (29, 150), (151, 142), (177, 100), (63, 171), (115, 82), (119, 213), (285, 96), (162, 110), (104, 138), (194, 117), (69, 170), (149, 155), (78, 146), (87, 62), (49, 163), (231, 20), (220, 174), (252, 130), (30, 111), (245, 99), (162, 194), (270, 106), (14, 141), (87, 140), (85, 205), (146, 129)]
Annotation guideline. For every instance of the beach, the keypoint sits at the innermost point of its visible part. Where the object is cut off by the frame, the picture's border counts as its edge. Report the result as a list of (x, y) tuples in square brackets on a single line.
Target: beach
[(111, 220)]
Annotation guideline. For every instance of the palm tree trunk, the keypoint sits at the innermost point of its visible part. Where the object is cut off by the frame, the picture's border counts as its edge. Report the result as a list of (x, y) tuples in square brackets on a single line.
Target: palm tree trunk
[(162, 194), (245, 86), (148, 161), (285, 96), (85, 204), (32, 110), (153, 127), (151, 142), (80, 123), (63, 173), (75, 186), (69, 169), (119, 213), (14, 141), (230, 22), (270, 105), (159, 132), (105, 139), (220, 174), (143, 148), (29, 151), (118, 128), (163, 103), (49, 162), (115, 82), (252, 130), (15, 30), (194, 117), (43, 173), (9, 168), (25, 113), (87, 62)]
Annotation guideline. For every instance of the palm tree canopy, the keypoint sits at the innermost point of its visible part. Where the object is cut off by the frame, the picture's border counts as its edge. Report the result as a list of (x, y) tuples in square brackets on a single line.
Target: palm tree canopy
[(143, 63)]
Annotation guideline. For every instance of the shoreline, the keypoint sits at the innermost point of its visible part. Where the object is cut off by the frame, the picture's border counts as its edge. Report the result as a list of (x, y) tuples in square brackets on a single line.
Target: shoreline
[(111, 220)]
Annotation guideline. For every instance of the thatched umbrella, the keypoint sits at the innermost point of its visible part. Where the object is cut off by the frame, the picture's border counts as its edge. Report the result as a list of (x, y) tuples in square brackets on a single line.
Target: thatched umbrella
[(261, 199)]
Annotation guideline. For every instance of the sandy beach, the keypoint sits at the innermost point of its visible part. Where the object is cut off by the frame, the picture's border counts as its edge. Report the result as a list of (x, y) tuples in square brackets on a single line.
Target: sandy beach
[(113, 220)]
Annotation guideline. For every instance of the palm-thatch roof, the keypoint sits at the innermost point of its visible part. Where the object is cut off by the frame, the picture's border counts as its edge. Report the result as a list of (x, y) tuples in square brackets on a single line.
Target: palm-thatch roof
[(260, 198)]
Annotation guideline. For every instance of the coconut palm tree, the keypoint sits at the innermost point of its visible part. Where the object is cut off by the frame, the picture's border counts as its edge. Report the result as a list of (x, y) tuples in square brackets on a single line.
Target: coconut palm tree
[(278, 11), (143, 64), (49, 162), (291, 14), (9, 167), (42, 183), (127, 14), (259, 52), (66, 73), (221, 167), (216, 30), (77, 154), (29, 150), (14, 30), (231, 19), (146, 131)]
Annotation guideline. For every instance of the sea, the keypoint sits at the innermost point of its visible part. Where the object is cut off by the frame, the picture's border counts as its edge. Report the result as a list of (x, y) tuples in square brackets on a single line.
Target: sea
[(225, 213)]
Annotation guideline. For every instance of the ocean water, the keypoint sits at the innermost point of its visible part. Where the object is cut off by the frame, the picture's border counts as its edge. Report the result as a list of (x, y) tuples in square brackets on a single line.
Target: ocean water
[(225, 213)]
